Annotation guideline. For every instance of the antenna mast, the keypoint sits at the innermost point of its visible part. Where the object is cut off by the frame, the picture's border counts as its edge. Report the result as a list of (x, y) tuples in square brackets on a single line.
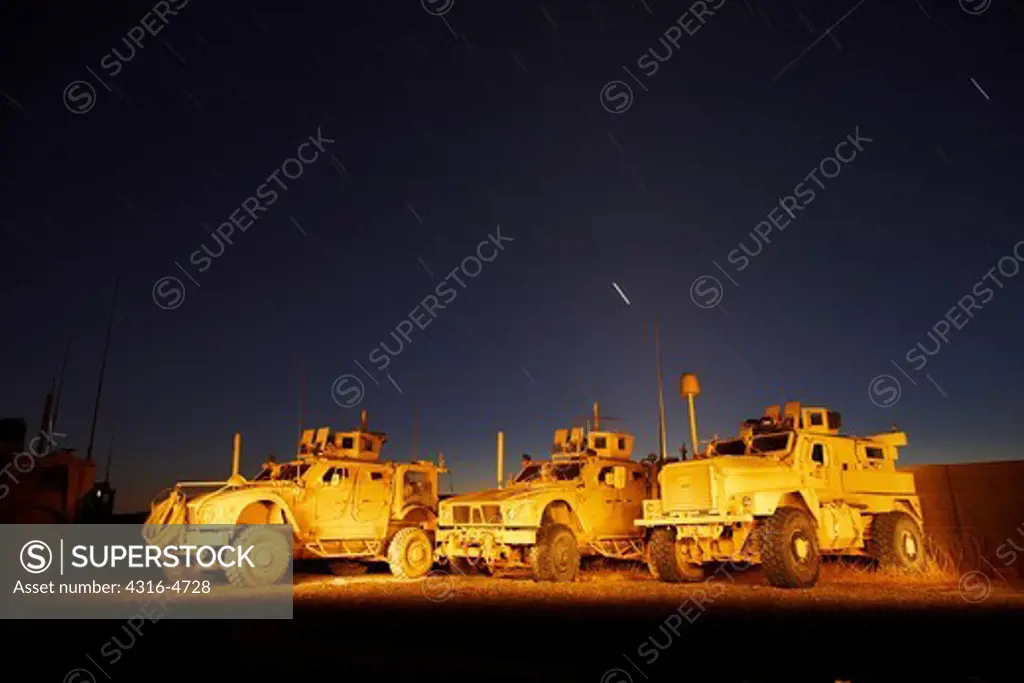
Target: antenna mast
[(60, 387), (110, 456), (302, 401), (103, 371), (46, 425), (661, 394)]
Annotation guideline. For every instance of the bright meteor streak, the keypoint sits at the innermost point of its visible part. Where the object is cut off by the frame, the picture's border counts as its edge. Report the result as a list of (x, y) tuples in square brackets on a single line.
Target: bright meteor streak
[(621, 293)]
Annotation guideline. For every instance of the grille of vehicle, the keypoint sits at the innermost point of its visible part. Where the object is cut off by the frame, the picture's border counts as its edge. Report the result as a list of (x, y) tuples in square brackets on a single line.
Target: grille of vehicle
[(492, 514), (687, 488), (476, 514)]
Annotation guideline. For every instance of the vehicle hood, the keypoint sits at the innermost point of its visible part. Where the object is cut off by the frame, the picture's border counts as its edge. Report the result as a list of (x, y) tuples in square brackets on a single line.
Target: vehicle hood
[(512, 493), (695, 485), (201, 498), (737, 463)]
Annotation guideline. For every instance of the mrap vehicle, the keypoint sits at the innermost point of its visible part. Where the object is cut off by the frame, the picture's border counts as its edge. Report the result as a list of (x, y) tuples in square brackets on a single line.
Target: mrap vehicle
[(581, 502), (787, 490), (342, 502)]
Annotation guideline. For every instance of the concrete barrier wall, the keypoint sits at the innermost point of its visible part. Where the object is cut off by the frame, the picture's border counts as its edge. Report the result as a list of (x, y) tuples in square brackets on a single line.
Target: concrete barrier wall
[(975, 512)]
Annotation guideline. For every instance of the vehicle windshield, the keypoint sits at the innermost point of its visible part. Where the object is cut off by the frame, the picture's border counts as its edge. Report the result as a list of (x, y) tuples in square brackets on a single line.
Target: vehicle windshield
[(731, 447), (769, 444), (548, 471), (529, 474), (289, 472), (759, 445)]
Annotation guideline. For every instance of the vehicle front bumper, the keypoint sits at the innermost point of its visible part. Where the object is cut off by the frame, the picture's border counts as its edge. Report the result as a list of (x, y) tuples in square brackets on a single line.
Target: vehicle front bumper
[(705, 520), (487, 542)]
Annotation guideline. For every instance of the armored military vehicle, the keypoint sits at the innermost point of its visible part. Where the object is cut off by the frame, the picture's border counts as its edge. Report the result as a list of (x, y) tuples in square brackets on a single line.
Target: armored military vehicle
[(581, 502), (785, 491), (343, 503)]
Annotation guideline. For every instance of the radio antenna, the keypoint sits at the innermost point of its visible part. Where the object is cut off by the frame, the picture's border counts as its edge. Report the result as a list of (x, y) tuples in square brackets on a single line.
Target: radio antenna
[(661, 394), (103, 372)]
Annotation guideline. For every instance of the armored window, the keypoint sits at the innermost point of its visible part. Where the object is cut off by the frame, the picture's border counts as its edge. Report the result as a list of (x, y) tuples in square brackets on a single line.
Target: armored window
[(340, 471), (367, 445), (637, 476), (417, 484), (874, 453), (732, 447), (600, 442), (376, 476), (348, 442), (606, 476), (567, 472), (835, 420), (818, 454), (529, 474), (816, 420), (769, 444), (622, 444)]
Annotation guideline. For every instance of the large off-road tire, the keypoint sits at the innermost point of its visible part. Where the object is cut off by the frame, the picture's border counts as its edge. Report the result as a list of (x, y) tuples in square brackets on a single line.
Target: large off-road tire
[(271, 555), (789, 549), (555, 556), (410, 553), (897, 543), (663, 558)]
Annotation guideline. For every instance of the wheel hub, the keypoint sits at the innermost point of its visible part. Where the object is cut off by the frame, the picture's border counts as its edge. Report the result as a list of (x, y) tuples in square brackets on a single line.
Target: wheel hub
[(416, 554), (264, 558), (561, 555), (910, 545), (801, 548)]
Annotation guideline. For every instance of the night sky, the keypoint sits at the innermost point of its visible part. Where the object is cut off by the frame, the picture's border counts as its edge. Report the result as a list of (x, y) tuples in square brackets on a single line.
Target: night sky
[(606, 170)]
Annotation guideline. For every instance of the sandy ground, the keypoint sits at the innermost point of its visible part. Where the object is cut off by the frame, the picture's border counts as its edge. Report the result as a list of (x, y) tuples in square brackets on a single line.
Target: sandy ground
[(638, 592)]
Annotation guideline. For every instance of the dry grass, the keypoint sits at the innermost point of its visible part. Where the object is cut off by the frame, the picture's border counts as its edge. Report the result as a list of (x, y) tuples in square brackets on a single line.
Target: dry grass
[(941, 567)]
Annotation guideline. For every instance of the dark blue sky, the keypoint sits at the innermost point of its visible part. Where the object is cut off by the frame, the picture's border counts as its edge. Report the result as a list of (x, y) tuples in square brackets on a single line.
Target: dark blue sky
[(446, 127)]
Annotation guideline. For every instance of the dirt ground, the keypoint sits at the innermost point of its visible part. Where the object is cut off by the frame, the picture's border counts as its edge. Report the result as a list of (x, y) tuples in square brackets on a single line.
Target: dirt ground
[(611, 626), (637, 592)]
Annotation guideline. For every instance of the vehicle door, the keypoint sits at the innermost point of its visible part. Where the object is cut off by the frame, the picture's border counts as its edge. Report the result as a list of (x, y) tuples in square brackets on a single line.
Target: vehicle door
[(372, 501), (816, 464), (333, 495), (608, 500)]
